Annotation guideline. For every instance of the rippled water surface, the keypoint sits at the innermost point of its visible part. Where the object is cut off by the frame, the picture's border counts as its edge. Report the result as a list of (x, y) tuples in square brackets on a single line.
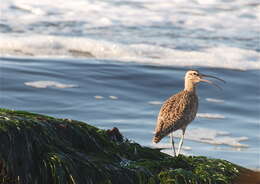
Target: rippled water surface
[(113, 63), (129, 96)]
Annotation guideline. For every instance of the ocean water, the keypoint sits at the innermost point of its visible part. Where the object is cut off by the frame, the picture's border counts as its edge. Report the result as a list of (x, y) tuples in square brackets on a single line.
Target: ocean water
[(113, 63)]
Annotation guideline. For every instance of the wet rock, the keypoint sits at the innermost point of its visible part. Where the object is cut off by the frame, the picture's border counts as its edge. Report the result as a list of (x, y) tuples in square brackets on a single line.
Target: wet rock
[(42, 149)]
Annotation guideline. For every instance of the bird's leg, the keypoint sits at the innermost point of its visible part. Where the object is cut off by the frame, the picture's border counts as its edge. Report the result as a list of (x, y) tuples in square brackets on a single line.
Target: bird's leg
[(181, 142), (172, 143)]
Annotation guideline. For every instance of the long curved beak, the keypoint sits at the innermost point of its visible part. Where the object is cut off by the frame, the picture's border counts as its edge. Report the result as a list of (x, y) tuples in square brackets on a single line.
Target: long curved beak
[(210, 76), (210, 82)]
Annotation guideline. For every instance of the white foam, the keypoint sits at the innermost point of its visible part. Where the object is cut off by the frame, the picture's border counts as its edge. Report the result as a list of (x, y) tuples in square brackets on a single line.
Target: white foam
[(40, 45), (113, 97), (191, 14), (213, 137), (45, 84), (28, 17), (155, 102), (98, 97), (214, 100), (210, 116)]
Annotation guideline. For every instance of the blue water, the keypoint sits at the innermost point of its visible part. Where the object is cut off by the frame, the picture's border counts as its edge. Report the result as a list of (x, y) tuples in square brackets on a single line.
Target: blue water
[(113, 63), (135, 86)]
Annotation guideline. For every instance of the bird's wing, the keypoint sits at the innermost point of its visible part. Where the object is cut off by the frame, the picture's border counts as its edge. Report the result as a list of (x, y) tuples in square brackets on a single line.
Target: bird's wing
[(172, 115)]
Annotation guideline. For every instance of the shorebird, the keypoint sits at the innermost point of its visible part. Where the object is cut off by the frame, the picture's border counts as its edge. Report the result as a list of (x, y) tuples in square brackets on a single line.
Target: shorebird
[(179, 110)]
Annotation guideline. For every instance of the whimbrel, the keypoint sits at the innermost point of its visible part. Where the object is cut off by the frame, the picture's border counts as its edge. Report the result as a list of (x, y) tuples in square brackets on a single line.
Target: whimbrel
[(180, 109)]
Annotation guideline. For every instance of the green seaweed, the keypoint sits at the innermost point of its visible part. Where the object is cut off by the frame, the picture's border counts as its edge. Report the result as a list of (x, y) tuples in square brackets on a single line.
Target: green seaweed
[(40, 149)]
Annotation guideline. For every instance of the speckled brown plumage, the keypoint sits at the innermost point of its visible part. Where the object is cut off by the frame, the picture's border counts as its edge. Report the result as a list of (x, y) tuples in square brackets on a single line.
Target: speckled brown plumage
[(180, 109), (176, 113)]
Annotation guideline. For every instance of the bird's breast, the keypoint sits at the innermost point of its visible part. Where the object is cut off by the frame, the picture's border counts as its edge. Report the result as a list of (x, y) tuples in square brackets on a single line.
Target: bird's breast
[(191, 107)]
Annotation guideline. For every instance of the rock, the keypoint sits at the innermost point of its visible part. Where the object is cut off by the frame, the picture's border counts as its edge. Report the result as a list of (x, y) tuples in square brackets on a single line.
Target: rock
[(115, 135), (41, 149)]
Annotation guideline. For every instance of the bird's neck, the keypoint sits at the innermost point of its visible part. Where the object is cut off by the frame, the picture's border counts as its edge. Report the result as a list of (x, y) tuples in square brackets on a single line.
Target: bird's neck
[(189, 86)]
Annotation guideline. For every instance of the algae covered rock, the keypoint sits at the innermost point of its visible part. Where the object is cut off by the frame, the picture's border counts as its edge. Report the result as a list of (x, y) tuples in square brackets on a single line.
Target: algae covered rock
[(38, 149)]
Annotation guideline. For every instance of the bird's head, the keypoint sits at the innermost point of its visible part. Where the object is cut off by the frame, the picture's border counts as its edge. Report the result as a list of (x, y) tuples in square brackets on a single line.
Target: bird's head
[(193, 77)]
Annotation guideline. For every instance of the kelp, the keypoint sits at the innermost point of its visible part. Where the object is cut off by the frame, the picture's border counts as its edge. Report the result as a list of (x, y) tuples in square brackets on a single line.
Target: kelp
[(38, 149)]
